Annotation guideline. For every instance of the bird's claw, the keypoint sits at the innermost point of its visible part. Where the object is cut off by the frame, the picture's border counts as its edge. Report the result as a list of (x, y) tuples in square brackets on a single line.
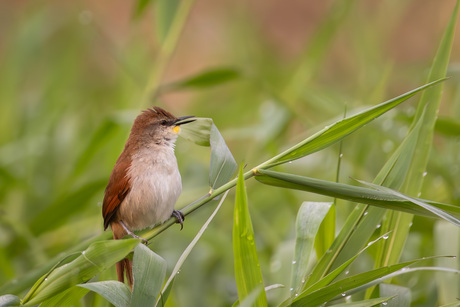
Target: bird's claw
[(180, 217)]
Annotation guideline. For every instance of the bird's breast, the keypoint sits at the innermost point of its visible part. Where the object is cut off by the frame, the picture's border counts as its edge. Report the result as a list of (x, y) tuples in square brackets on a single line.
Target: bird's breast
[(155, 187)]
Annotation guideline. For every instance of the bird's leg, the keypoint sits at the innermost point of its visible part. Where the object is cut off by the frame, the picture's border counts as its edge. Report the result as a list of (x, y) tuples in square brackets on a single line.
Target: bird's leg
[(132, 234), (180, 217)]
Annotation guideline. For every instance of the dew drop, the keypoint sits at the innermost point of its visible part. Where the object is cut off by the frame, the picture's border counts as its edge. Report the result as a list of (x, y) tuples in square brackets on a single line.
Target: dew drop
[(384, 303), (344, 294), (347, 272), (424, 174), (385, 237), (366, 213), (303, 280), (292, 289), (341, 155), (83, 252), (296, 294), (378, 226), (419, 194), (46, 278), (294, 262)]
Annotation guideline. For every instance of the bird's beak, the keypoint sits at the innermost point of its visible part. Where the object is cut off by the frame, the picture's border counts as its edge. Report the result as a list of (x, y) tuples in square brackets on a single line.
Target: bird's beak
[(184, 120)]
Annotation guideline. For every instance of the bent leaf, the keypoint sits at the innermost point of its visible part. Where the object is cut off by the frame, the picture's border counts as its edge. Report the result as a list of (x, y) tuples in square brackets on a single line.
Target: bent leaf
[(356, 194), (222, 165)]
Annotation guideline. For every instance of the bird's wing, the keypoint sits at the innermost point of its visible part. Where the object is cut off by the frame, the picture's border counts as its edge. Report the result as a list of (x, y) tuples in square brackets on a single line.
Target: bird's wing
[(116, 190)]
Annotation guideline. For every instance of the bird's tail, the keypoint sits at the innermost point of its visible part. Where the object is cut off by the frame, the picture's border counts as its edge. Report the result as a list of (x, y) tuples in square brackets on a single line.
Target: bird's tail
[(125, 265)]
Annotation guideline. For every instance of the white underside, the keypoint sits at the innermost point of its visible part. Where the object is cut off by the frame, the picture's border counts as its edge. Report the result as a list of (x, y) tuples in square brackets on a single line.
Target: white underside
[(155, 188)]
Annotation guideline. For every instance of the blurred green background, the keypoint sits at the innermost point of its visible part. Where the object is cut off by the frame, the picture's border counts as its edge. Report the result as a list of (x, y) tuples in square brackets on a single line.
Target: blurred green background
[(73, 77)]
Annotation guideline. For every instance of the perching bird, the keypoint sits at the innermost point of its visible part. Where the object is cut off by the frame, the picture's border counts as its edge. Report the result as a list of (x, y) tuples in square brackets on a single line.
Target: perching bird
[(145, 181)]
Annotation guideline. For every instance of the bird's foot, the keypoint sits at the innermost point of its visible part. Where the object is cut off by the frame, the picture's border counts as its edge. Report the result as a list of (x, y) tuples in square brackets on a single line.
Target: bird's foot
[(180, 217), (132, 234)]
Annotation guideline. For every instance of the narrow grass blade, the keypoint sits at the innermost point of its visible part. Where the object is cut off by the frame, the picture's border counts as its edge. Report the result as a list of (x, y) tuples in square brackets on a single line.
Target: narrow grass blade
[(309, 218), (149, 272), (427, 112), (351, 284), (247, 270), (97, 257), (117, 293), (341, 129), (323, 282), (367, 303), (186, 253), (222, 165), (357, 194)]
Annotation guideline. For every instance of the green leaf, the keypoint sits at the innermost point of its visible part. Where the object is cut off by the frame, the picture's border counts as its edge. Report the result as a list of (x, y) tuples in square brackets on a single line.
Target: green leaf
[(367, 303), (96, 258), (8, 300), (209, 78), (427, 111), (309, 218), (326, 280), (248, 276), (440, 213), (198, 131), (447, 126), (357, 194), (222, 165), (68, 297), (402, 295), (347, 286), (149, 272), (140, 7), (165, 12), (117, 293), (341, 129)]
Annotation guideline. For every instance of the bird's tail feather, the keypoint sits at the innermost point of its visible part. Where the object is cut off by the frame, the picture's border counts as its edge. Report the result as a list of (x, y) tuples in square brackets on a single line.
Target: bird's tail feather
[(125, 265)]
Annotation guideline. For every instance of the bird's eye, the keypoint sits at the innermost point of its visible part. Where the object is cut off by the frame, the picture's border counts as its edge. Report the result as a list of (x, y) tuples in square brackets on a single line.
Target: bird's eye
[(163, 122)]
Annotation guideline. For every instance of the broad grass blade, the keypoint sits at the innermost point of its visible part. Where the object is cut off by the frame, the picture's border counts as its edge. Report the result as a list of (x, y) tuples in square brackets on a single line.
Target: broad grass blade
[(309, 218), (70, 297), (149, 272), (248, 276), (402, 295), (341, 129), (117, 293), (96, 258)]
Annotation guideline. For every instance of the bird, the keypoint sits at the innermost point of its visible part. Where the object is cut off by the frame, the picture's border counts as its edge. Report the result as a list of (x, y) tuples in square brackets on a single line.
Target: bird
[(145, 182)]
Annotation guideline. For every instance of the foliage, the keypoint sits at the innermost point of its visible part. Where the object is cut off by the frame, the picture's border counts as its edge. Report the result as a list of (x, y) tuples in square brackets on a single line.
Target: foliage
[(60, 136)]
